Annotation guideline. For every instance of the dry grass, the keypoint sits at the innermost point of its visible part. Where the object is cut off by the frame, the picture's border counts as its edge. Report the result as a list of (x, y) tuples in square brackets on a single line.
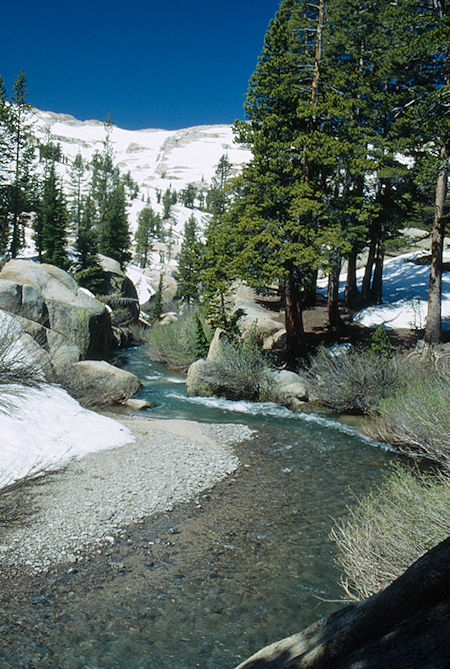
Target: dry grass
[(390, 528), (416, 418), (352, 382)]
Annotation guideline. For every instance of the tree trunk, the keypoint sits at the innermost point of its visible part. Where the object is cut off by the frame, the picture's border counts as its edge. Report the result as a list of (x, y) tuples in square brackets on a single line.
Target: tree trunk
[(317, 55), (433, 326), (351, 289), (367, 278), (405, 625), (334, 318), (377, 281), (310, 290), (295, 334)]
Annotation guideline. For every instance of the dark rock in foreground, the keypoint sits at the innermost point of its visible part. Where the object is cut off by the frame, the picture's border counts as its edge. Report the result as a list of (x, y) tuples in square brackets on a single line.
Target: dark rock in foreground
[(405, 625)]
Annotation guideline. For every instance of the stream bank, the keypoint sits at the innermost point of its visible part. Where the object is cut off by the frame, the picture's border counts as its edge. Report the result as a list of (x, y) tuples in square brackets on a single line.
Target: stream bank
[(208, 583)]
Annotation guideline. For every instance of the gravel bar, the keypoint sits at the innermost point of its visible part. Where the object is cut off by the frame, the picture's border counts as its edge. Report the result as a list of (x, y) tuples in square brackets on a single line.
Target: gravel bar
[(89, 503)]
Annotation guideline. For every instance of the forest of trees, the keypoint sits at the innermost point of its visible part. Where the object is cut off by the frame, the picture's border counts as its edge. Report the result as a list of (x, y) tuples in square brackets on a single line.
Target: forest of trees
[(348, 126), (93, 211)]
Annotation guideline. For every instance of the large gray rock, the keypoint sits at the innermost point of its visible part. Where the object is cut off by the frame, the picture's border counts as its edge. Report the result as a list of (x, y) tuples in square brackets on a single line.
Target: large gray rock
[(250, 313), (405, 625), (216, 345), (49, 296), (196, 380), (98, 382), (289, 389), (60, 350), (118, 286)]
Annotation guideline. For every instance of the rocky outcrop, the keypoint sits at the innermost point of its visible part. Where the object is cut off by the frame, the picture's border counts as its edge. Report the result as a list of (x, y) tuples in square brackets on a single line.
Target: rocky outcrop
[(47, 295), (405, 625), (249, 312), (118, 286)]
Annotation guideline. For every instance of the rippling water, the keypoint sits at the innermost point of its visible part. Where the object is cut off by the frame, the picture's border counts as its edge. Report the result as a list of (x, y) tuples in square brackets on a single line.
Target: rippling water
[(241, 566)]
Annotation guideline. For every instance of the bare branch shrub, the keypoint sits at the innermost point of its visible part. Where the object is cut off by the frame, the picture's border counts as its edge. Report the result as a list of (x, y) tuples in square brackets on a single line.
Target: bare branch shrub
[(390, 528), (352, 382), (240, 372), (416, 418), (18, 369)]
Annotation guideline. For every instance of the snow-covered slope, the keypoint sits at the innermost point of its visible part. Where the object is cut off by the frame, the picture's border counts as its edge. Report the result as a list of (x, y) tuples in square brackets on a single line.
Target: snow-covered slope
[(155, 158)]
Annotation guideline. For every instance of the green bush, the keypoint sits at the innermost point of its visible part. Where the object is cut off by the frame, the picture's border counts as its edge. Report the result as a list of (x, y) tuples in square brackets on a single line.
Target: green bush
[(174, 343), (241, 371), (353, 382), (390, 528), (92, 278)]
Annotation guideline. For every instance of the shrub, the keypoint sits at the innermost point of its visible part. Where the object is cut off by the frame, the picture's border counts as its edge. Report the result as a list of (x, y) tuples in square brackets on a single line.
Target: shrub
[(92, 278), (18, 369), (380, 343), (352, 382), (240, 372), (416, 418), (174, 343), (391, 528)]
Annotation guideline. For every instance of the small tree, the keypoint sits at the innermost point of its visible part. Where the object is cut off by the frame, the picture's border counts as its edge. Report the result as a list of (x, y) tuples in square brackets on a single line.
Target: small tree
[(50, 228), (189, 263), (149, 229), (157, 307), (188, 195)]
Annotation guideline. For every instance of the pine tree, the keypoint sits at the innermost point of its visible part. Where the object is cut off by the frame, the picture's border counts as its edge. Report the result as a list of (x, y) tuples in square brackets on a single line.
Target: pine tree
[(279, 215), (157, 306), (86, 241), (189, 263), (149, 229), (51, 221), (187, 195), (115, 234), (109, 195), (22, 155), (77, 172)]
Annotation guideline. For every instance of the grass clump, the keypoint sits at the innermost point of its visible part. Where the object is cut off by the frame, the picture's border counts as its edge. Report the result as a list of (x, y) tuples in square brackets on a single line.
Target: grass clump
[(240, 371), (390, 528), (174, 344), (353, 382)]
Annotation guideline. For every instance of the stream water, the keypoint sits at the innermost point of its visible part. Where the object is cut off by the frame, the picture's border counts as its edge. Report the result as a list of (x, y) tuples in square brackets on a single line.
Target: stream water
[(241, 566)]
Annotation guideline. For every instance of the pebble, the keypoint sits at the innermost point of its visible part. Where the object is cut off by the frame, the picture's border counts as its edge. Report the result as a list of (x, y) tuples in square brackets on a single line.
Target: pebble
[(86, 506)]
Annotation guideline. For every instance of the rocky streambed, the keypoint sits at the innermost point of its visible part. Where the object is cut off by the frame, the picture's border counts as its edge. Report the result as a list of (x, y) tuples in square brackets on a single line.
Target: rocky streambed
[(89, 503)]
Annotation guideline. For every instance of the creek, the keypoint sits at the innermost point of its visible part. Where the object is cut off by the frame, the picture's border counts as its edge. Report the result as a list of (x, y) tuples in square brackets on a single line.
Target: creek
[(242, 565)]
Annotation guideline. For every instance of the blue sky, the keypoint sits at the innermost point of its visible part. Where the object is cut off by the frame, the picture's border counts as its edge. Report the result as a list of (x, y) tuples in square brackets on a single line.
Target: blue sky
[(149, 64)]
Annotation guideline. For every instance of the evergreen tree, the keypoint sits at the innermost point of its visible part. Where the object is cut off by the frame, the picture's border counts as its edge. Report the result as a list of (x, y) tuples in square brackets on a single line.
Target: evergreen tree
[(77, 172), (115, 234), (168, 200), (189, 263), (109, 195), (5, 159), (86, 241), (278, 217), (157, 306), (51, 221), (201, 344), (187, 195), (20, 190), (149, 229)]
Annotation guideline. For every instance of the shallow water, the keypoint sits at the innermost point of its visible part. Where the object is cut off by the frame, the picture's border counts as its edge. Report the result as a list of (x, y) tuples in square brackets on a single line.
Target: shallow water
[(211, 582)]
